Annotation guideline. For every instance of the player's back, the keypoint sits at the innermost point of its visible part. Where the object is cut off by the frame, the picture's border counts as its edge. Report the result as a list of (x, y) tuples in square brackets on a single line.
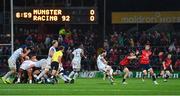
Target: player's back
[(99, 60), (77, 53), (40, 63), (26, 64), (16, 54), (52, 48)]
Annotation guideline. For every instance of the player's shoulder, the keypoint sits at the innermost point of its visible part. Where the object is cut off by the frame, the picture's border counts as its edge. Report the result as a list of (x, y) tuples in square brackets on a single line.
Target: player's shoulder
[(19, 50)]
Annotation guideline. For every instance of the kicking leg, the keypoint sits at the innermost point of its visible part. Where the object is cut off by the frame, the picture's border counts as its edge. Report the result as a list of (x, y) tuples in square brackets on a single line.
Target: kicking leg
[(144, 75), (153, 76), (126, 70), (167, 74)]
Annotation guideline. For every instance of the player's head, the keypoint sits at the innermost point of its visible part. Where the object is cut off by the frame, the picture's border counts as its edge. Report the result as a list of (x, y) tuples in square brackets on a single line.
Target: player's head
[(61, 48), (104, 53), (81, 46), (32, 56), (55, 43), (161, 53), (147, 47), (169, 56), (24, 47)]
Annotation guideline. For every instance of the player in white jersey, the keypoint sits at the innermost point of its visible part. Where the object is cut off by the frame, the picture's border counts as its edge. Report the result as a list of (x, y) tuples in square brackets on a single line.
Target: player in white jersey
[(21, 52), (44, 68), (76, 62), (27, 66), (52, 50), (103, 67)]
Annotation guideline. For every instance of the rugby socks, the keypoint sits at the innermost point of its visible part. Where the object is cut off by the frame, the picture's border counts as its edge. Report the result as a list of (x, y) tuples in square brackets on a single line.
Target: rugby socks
[(159, 75), (52, 77), (110, 79), (143, 76), (167, 76), (41, 74), (153, 77), (75, 75), (62, 77), (123, 80), (71, 74), (111, 72), (30, 81), (35, 76), (65, 76), (8, 74), (18, 80)]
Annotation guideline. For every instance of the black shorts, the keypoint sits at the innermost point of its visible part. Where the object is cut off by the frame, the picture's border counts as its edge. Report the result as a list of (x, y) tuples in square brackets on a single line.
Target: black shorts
[(122, 67), (167, 69), (35, 68), (55, 66), (145, 66)]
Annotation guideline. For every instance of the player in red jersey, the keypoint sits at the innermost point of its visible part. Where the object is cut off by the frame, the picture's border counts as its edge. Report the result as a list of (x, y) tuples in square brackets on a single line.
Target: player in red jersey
[(145, 63), (166, 67), (124, 63)]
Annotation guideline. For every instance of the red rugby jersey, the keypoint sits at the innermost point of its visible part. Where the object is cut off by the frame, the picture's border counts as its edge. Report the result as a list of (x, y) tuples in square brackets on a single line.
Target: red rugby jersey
[(145, 57), (124, 61), (167, 62)]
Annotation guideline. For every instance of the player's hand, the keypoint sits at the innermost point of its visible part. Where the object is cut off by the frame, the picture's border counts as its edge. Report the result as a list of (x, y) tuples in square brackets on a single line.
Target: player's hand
[(28, 50), (137, 52)]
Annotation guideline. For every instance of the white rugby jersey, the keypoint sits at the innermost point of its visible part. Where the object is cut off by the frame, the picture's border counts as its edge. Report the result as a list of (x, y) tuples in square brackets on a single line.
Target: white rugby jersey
[(16, 54), (77, 53), (99, 61), (50, 49), (41, 63)]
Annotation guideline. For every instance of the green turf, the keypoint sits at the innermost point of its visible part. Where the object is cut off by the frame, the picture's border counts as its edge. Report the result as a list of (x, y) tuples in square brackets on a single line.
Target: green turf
[(95, 86)]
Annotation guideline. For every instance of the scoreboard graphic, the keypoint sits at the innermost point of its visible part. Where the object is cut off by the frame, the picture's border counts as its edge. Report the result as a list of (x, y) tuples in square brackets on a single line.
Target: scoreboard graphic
[(69, 15)]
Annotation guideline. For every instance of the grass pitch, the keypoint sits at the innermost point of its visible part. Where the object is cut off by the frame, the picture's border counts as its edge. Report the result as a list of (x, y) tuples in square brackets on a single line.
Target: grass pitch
[(95, 86)]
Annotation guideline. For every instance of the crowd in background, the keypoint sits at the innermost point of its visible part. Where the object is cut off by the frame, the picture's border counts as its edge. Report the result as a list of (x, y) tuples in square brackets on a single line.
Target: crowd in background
[(118, 44)]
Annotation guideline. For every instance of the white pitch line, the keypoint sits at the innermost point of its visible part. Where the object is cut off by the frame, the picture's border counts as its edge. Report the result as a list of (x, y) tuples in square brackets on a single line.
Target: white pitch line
[(84, 90)]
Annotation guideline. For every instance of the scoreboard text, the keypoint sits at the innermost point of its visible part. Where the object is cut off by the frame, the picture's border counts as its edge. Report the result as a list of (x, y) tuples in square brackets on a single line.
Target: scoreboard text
[(76, 15)]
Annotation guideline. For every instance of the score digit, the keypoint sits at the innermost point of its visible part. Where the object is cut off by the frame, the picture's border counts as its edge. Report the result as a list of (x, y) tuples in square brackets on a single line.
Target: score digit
[(66, 18), (92, 18), (18, 15), (92, 12)]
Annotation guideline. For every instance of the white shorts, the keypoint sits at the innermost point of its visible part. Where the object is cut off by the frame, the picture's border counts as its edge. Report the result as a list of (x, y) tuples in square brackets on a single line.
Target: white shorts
[(49, 61), (76, 64), (103, 68), (25, 66), (12, 63)]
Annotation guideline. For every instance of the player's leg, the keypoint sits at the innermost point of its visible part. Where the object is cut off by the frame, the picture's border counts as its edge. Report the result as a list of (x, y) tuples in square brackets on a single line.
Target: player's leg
[(71, 74), (44, 71), (76, 74), (144, 71), (153, 75), (161, 73), (35, 73), (54, 67), (126, 70), (12, 66), (109, 72), (167, 74), (73, 66), (65, 78), (29, 71), (104, 75), (20, 71)]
